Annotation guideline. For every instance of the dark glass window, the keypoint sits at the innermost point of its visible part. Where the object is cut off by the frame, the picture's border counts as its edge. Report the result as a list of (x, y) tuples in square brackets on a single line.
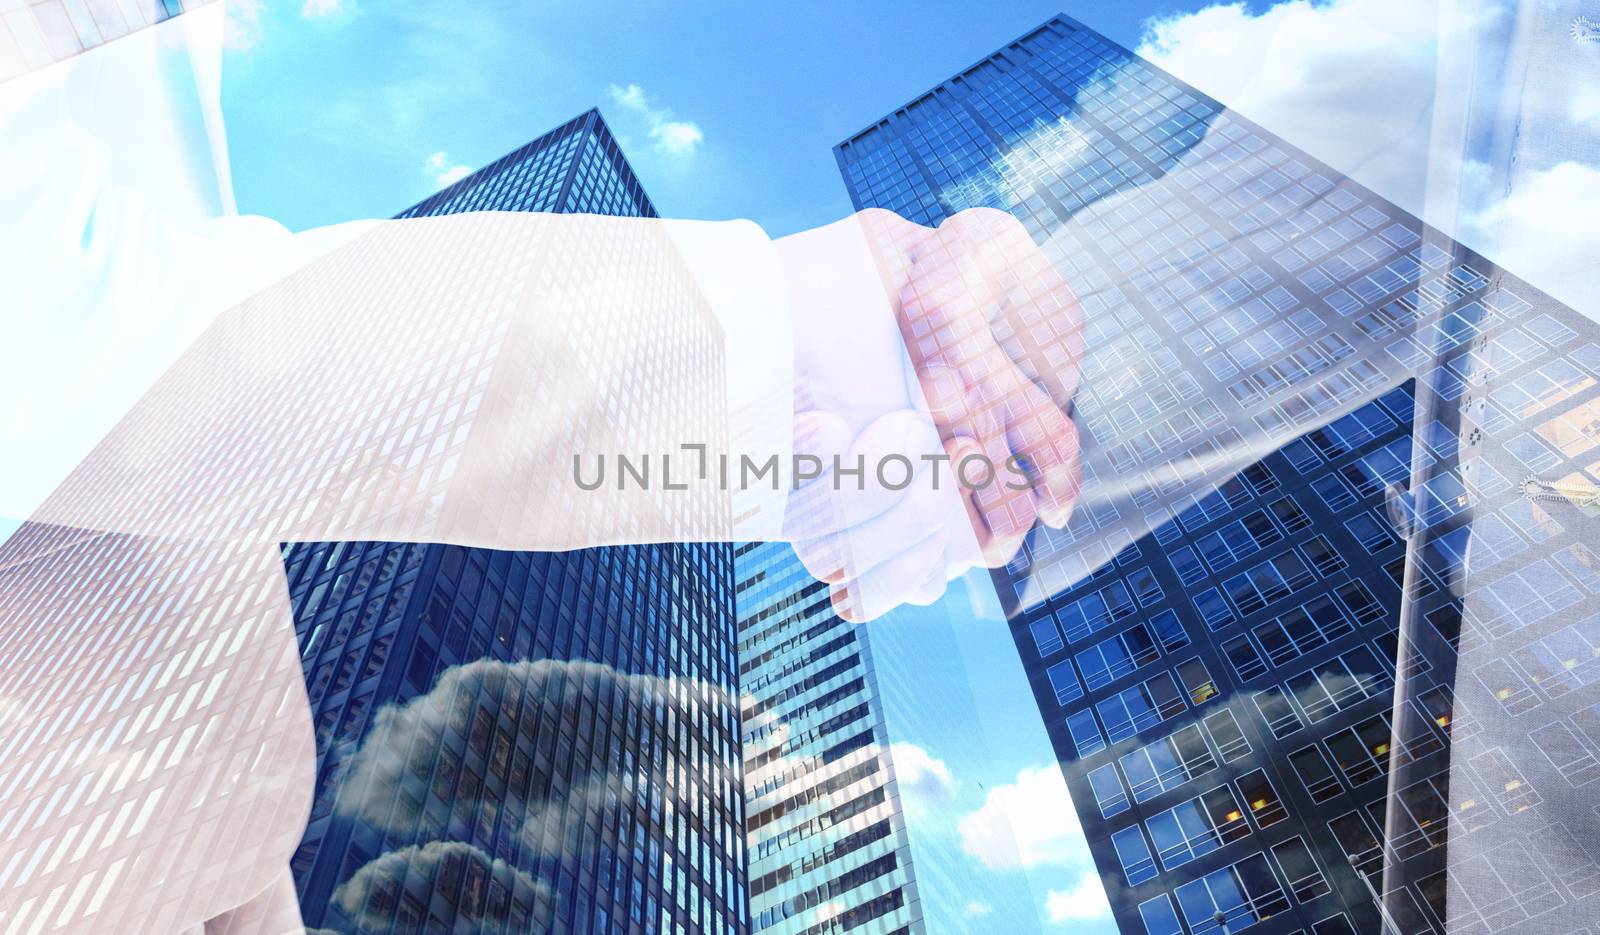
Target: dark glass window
[(1333, 925), (1300, 868), (1225, 733), (1356, 838), (1197, 682), (1085, 732), (1112, 658), (1243, 657), (1107, 790), (1277, 712), (1140, 707), (1196, 827), (1064, 682), (1315, 773), (1323, 557), (1159, 917), (1169, 631), (1373, 535), (1134, 854), (1213, 609), (1265, 806)]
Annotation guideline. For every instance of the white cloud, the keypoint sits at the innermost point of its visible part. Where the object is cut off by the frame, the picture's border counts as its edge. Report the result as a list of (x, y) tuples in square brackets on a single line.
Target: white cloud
[(1351, 81), (1026, 823), (1585, 106), (430, 862), (404, 735), (925, 781), (315, 9), (1544, 231), (677, 137), (672, 137), (242, 24), (443, 171), (975, 909), (1084, 901), (1383, 92)]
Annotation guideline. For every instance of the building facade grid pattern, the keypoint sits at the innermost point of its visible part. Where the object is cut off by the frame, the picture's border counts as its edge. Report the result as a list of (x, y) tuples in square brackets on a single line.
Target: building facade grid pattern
[(1221, 690), (567, 721), (827, 835)]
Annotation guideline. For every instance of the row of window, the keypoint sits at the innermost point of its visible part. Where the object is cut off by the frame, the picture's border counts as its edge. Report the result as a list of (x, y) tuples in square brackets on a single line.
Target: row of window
[(1151, 698), (1140, 707), (1244, 893), (1112, 658), (1276, 642)]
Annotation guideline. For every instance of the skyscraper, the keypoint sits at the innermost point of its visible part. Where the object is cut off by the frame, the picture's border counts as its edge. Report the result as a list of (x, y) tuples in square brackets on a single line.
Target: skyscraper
[(1216, 655), (525, 741), (827, 836), (33, 35)]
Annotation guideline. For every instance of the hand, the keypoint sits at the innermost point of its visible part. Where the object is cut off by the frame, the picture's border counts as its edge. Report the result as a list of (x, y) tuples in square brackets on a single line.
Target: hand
[(965, 373)]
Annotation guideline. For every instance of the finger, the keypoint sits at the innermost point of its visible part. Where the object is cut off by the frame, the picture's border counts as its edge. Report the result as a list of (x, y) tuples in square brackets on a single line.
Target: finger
[(1002, 497), (914, 576), (1047, 438), (932, 506), (862, 480)]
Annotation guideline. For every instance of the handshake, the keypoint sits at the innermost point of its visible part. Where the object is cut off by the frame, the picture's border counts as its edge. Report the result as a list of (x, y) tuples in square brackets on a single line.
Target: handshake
[(936, 423)]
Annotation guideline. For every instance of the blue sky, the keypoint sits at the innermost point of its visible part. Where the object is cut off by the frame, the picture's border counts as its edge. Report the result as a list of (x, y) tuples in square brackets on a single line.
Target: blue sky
[(334, 109), (337, 112), (345, 109)]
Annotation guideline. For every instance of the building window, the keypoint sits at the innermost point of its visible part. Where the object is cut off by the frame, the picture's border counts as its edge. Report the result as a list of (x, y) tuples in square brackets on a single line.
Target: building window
[(1243, 657), (1305, 878), (1111, 659), (1290, 514), (1165, 764), (1095, 611), (1301, 630), (1085, 733), (1233, 898), (1266, 582), (1134, 854), (1107, 788), (1265, 806), (1187, 565), (1333, 492), (1322, 556), (1360, 845), (1320, 782), (1196, 827), (1213, 609), (1425, 817), (1333, 925), (1064, 682), (1358, 599), (1197, 681), (1169, 632), (1225, 733), (1046, 638), (1159, 917), (1374, 536), (1277, 712), (1140, 707)]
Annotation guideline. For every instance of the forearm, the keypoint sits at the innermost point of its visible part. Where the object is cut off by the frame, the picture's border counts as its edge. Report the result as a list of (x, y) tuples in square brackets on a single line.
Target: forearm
[(445, 379)]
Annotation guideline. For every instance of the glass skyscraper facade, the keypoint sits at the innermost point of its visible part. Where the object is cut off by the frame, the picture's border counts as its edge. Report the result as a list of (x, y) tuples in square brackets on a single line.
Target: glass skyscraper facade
[(36, 33), (1280, 702), (514, 741), (827, 838)]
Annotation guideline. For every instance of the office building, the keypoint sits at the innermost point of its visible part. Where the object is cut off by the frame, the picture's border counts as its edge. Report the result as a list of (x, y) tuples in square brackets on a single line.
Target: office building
[(519, 741), (1250, 676), (36, 34), (827, 839)]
